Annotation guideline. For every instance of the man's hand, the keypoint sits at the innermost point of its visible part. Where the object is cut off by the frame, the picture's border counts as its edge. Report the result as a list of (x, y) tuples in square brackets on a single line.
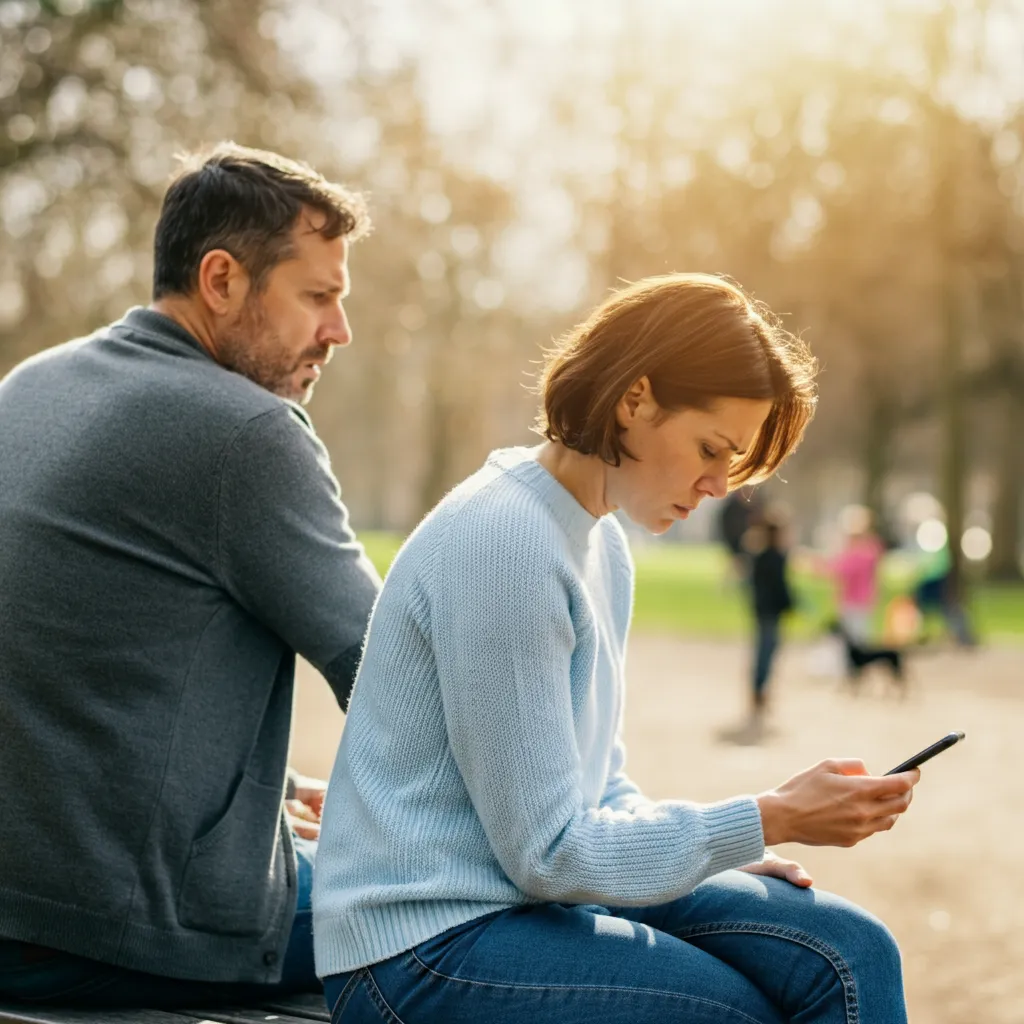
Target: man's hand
[(302, 820), (779, 867), (311, 792), (305, 809)]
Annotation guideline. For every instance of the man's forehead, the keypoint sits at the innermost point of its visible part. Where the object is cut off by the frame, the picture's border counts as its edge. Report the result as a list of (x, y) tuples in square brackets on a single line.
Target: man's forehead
[(323, 256)]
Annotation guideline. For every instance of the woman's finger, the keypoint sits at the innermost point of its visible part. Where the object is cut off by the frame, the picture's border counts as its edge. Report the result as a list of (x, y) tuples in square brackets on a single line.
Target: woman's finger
[(882, 823), (799, 876), (777, 867)]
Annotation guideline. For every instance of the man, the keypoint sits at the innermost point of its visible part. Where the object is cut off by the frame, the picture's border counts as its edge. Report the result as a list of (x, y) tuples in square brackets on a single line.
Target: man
[(170, 535)]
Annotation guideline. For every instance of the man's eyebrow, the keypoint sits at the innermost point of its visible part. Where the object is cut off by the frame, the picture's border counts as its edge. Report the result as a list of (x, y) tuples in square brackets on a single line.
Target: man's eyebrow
[(730, 443), (331, 289)]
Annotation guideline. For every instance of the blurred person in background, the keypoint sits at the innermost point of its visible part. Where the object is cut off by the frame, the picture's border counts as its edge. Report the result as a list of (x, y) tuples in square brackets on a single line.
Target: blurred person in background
[(484, 855), (739, 511), (171, 534), (855, 572), (771, 598), (934, 591)]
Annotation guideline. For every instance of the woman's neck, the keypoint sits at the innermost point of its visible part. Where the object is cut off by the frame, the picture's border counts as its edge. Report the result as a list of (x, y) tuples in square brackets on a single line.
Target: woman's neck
[(583, 476)]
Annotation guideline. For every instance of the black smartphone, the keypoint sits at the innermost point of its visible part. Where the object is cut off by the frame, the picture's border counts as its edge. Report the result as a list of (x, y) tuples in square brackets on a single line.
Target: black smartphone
[(928, 753)]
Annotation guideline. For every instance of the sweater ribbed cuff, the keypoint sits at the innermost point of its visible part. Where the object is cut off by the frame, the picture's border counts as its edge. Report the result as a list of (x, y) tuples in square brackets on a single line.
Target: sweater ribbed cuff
[(735, 836)]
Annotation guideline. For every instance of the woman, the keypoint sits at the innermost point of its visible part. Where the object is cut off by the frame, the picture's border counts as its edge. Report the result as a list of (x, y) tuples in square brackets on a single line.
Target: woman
[(484, 856)]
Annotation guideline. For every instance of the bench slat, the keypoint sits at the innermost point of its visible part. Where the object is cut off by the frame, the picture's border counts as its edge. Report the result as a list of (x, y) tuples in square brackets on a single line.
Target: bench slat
[(294, 1010), (10, 1014), (249, 1015), (309, 1006)]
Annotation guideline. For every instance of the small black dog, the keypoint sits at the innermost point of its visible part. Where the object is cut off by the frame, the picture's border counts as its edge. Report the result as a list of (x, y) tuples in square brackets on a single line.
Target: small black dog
[(859, 656)]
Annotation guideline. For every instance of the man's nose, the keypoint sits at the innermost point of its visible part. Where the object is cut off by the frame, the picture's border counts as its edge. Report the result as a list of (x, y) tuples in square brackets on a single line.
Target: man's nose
[(336, 330)]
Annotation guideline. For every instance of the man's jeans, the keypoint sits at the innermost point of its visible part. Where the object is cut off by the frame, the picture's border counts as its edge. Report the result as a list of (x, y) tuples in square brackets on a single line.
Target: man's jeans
[(43, 976), (740, 949)]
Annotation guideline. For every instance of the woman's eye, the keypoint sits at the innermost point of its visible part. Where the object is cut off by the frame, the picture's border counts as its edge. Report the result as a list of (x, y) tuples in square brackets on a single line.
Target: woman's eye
[(707, 452)]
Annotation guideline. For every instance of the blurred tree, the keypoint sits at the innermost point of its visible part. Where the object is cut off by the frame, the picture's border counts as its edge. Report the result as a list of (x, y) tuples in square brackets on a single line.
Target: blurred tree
[(96, 97), (836, 162), (1004, 383)]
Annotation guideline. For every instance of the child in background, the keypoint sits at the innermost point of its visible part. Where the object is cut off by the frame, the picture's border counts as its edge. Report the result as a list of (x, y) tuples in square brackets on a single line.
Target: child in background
[(855, 570)]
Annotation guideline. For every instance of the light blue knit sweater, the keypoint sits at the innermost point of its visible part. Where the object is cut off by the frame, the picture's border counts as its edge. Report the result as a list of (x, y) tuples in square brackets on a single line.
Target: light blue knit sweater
[(481, 766)]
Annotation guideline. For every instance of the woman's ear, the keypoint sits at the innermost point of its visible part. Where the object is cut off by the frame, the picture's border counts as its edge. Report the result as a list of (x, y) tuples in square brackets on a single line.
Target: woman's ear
[(638, 403)]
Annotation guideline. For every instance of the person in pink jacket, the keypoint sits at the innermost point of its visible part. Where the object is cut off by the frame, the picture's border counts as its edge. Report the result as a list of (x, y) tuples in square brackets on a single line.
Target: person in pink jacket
[(855, 570)]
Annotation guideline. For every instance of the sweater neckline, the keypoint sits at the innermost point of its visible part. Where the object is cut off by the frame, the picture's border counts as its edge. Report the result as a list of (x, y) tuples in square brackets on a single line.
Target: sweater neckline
[(521, 463), (158, 327)]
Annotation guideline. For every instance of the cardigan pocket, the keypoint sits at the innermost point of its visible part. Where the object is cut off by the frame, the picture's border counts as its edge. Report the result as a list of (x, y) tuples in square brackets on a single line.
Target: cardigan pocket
[(236, 877)]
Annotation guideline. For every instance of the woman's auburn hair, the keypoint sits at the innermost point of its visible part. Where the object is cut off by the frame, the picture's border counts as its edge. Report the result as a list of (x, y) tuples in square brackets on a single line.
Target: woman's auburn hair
[(696, 338)]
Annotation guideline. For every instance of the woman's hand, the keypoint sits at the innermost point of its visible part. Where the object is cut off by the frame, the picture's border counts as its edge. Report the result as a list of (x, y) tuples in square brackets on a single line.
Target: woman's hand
[(779, 867), (834, 803)]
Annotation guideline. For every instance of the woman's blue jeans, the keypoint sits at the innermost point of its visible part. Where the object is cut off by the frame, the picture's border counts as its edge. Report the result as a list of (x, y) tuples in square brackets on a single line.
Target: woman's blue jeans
[(740, 949)]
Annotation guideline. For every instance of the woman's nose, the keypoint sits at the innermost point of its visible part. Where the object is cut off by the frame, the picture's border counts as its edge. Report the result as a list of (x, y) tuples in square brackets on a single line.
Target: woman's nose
[(716, 484)]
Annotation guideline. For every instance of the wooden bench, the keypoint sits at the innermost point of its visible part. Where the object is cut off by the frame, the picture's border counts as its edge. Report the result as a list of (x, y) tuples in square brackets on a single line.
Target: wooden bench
[(294, 1010)]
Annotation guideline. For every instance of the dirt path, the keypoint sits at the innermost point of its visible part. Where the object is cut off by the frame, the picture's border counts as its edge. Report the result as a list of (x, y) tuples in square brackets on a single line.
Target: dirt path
[(947, 880)]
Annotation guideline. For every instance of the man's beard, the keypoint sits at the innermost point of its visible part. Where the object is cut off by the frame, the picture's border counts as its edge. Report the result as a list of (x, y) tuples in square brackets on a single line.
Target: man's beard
[(252, 348)]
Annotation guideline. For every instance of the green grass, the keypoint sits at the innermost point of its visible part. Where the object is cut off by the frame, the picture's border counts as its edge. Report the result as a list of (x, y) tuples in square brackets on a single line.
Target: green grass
[(683, 589)]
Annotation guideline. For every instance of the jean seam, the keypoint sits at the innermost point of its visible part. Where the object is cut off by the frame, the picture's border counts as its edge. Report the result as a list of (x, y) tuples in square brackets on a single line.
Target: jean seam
[(375, 994), (624, 989), (346, 994), (832, 955)]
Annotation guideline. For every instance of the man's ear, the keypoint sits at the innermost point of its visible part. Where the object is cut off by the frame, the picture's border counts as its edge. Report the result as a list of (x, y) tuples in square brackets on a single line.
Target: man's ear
[(638, 403), (223, 282)]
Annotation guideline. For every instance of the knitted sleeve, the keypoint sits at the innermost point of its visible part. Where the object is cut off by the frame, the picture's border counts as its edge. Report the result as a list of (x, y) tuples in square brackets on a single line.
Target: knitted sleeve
[(621, 793), (285, 548)]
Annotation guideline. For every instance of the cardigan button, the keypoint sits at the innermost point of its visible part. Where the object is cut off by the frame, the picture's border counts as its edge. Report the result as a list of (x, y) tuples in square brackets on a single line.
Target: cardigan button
[(270, 957)]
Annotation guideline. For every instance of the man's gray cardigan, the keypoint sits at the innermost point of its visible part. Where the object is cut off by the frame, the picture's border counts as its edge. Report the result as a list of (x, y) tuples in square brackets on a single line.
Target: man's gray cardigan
[(170, 534)]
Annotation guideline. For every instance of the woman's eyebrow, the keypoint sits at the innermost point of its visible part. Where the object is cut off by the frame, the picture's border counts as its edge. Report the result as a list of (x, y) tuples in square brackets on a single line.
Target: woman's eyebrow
[(730, 443)]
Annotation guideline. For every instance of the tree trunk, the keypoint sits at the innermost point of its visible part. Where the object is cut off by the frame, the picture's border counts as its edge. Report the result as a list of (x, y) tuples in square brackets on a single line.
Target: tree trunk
[(1005, 560), (876, 454), (953, 424)]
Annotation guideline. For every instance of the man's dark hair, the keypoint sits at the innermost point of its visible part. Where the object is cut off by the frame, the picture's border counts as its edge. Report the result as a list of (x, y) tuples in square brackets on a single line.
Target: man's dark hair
[(245, 201)]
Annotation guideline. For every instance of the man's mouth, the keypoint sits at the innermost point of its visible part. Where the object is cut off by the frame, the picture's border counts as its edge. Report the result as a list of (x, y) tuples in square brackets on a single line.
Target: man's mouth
[(317, 359)]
